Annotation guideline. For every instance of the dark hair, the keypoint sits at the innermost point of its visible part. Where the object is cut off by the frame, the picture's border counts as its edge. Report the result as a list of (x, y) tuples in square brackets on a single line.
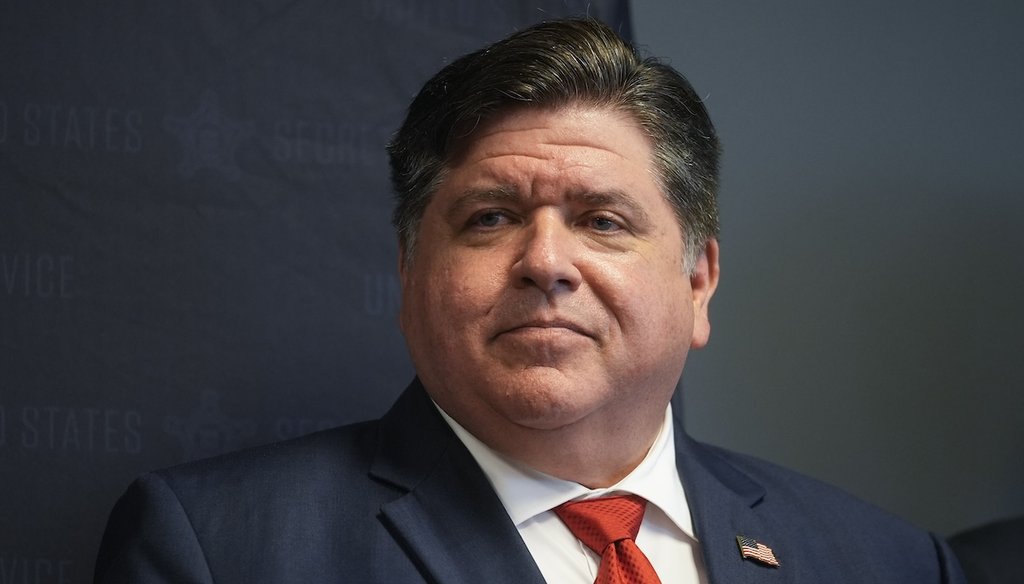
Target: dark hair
[(552, 64)]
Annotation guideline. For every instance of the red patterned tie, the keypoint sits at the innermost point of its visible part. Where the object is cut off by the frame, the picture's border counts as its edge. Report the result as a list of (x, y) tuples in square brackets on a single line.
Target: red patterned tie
[(608, 525)]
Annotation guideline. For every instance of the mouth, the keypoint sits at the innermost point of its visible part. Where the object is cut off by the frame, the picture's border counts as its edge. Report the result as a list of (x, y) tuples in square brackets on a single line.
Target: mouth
[(546, 325)]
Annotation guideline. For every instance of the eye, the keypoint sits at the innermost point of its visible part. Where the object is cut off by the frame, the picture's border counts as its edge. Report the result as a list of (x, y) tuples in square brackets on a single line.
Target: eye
[(604, 224), (490, 218)]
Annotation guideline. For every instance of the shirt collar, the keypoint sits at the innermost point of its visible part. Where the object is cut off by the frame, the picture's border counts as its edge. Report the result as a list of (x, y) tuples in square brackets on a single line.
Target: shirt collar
[(526, 492)]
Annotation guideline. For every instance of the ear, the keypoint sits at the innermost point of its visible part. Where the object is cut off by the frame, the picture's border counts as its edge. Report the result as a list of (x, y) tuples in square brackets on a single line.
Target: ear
[(403, 280), (402, 259), (702, 286)]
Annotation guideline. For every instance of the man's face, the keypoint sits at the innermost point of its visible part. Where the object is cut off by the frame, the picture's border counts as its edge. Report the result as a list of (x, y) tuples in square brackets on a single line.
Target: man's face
[(548, 284)]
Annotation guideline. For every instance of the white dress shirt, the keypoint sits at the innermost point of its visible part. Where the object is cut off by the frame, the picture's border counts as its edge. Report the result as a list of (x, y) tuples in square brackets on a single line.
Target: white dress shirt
[(666, 534)]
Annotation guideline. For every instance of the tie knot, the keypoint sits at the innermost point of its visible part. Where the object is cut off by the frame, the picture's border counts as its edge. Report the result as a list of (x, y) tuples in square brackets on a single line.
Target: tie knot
[(603, 521)]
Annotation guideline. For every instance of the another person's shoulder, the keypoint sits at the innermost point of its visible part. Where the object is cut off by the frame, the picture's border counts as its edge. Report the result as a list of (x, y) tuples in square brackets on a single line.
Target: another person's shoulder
[(990, 553)]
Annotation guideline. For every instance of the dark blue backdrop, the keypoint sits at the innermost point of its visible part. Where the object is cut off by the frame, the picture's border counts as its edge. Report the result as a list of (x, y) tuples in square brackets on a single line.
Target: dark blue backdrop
[(195, 250)]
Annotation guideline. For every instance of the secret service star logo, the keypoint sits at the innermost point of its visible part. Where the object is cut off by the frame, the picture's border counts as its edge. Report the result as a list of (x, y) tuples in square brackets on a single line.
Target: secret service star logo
[(208, 138), (207, 431)]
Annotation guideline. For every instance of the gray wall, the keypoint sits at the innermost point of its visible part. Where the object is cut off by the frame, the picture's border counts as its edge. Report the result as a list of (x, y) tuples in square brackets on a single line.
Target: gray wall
[(866, 330)]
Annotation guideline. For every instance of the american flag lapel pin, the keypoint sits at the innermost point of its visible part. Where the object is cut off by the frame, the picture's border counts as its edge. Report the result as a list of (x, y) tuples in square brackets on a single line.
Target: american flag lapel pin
[(752, 549)]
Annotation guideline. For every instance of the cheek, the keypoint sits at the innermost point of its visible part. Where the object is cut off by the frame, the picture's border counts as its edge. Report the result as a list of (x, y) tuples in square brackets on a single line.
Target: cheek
[(641, 289), (455, 294), (654, 308), (676, 305)]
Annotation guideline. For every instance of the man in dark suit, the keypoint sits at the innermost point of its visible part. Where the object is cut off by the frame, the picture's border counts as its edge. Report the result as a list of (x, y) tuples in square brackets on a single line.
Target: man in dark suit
[(557, 220)]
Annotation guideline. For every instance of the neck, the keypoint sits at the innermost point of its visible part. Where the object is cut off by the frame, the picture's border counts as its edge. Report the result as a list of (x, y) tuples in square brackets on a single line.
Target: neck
[(593, 452)]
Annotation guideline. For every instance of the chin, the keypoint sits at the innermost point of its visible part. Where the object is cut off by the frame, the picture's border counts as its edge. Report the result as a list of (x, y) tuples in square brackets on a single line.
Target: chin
[(547, 400)]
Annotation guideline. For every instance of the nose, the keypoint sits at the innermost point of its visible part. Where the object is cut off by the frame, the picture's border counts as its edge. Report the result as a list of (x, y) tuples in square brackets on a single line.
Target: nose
[(549, 255)]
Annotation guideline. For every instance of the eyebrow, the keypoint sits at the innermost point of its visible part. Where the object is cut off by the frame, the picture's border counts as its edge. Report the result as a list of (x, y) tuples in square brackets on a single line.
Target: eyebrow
[(615, 198), (507, 193), (472, 197)]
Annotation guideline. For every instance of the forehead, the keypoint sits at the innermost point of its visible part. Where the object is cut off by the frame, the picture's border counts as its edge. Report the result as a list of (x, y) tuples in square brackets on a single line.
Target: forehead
[(559, 144)]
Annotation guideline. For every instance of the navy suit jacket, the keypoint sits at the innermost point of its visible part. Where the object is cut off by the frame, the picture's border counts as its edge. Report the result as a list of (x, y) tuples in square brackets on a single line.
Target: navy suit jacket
[(400, 500)]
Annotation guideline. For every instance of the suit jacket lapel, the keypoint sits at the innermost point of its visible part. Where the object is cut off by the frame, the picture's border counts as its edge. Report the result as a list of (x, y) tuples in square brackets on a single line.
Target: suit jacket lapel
[(723, 503), (449, 519), (453, 525)]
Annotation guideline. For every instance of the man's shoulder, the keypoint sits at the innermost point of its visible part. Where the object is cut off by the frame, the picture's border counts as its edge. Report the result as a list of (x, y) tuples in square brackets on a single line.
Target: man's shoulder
[(354, 464), (784, 488), (273, 513), (336, 457), (819, 527)]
